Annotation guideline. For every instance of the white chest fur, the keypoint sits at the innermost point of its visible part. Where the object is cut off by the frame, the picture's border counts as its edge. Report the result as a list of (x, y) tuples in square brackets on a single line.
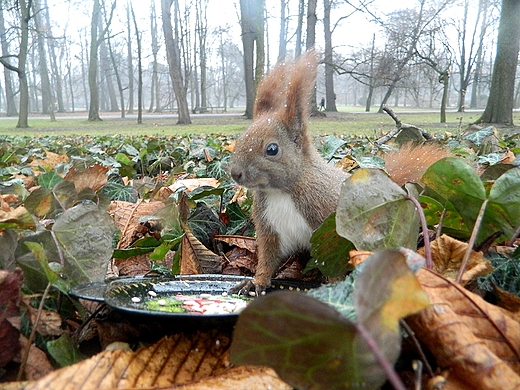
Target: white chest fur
[(293, 230)]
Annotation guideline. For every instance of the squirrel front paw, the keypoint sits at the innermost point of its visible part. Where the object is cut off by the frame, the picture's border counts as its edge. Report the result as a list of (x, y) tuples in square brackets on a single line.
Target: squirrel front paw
[(248, 287)]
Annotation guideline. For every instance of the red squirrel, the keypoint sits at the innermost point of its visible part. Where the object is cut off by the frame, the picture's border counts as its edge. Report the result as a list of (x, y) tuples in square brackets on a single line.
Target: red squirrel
[(294, 189)]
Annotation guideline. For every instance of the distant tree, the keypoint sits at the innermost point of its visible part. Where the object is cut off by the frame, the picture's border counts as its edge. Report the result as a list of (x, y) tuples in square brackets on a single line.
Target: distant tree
[(56, 73), (404, 30), (282, 37), (310, 42), (9, 90), (499, 108), (299, 29), (154, 88), (330, 95), (43, 69), (130, 60), (174, 62), (24, 10), (95, 42), (471, 44), (139, 70), (252, 22)]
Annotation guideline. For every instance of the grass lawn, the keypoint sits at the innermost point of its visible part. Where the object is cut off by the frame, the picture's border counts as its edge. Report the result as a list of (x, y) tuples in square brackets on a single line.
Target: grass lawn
[(161, 124)]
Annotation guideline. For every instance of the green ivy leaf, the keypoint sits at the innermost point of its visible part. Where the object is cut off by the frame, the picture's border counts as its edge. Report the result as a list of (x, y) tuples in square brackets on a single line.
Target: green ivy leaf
[(373, 213), (329, 250), (64, 351), (49, 179), (84, 233)]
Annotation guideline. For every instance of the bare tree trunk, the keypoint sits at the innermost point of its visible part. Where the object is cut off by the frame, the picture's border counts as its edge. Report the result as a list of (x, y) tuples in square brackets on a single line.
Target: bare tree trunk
[(95, 42), (202, 31), (118, 78), (252, 24), (499, 108), (299, 29), (25, 17), (106, 67), (330, 95), (483, 5), (155, 50), (93, 114), (9, 91), (282, 39), (309, 44), (56, 73), (139, 72), (174, 62), (25, 12), (42, 57), (130, 61), (84, 71)]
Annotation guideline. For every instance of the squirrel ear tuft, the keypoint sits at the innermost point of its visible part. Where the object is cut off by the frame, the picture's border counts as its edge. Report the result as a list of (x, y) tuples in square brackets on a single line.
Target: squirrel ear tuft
[(300, 85), (271, 91)]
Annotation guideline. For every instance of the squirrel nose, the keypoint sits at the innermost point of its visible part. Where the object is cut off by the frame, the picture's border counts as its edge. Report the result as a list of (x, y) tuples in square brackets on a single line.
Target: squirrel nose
[(236, 174)]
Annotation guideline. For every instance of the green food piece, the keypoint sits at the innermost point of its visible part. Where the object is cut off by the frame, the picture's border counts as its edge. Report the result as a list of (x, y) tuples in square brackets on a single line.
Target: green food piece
[(172, 305)]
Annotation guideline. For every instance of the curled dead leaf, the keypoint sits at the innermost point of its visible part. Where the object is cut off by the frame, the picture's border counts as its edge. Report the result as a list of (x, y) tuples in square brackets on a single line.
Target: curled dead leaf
[(243, 242), (93, 177), (357, 257), (474, 339), (175, 360), (196, 258), (447, 255)]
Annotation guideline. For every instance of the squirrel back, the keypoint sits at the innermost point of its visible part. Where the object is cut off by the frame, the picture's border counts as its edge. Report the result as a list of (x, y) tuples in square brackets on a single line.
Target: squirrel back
[(294, 189)]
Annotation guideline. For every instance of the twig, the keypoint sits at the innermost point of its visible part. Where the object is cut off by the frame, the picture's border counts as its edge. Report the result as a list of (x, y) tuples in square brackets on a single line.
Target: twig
[(417, 345), (33, 333), (472, 240), (426, 236)]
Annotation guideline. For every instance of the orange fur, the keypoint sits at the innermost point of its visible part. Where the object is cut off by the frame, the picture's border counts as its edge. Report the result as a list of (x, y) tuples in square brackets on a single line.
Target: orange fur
[(409, 163)]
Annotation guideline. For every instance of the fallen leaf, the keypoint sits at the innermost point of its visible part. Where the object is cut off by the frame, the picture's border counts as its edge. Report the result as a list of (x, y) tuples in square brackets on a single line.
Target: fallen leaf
[(447, 256), (248, 243), (191, 184), (50, 161), (126, 217), (175, 360), (196, 258), (241, 378), (474, 339), (49, 323), (93, 177), (38, 364), (10, 284)]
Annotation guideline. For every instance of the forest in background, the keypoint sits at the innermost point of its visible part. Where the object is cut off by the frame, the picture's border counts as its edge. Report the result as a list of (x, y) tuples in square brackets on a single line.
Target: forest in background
[(191, 56)]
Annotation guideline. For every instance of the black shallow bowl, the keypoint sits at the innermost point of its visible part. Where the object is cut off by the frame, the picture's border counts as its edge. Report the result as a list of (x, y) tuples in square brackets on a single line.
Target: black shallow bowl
[(120, 293)]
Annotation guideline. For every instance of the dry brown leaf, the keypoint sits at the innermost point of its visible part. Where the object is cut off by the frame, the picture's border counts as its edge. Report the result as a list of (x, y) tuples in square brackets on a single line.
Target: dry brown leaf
[(357, 257), (191, 184), (50, 161), (508, 302), (93, 177), (174, 360), (241, 378), (49, 323), (126, 217), (447, 255), (38, 364), (231, 147), (10, 284), (507, 158), (196, 258), (243, 242), (472, 338)]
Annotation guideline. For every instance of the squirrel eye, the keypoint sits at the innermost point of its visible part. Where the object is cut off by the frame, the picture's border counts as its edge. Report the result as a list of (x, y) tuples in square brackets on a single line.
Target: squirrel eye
[(271, 149)]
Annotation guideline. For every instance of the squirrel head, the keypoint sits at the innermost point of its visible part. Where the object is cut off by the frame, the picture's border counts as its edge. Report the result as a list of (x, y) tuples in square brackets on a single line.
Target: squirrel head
[(274, 150)]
